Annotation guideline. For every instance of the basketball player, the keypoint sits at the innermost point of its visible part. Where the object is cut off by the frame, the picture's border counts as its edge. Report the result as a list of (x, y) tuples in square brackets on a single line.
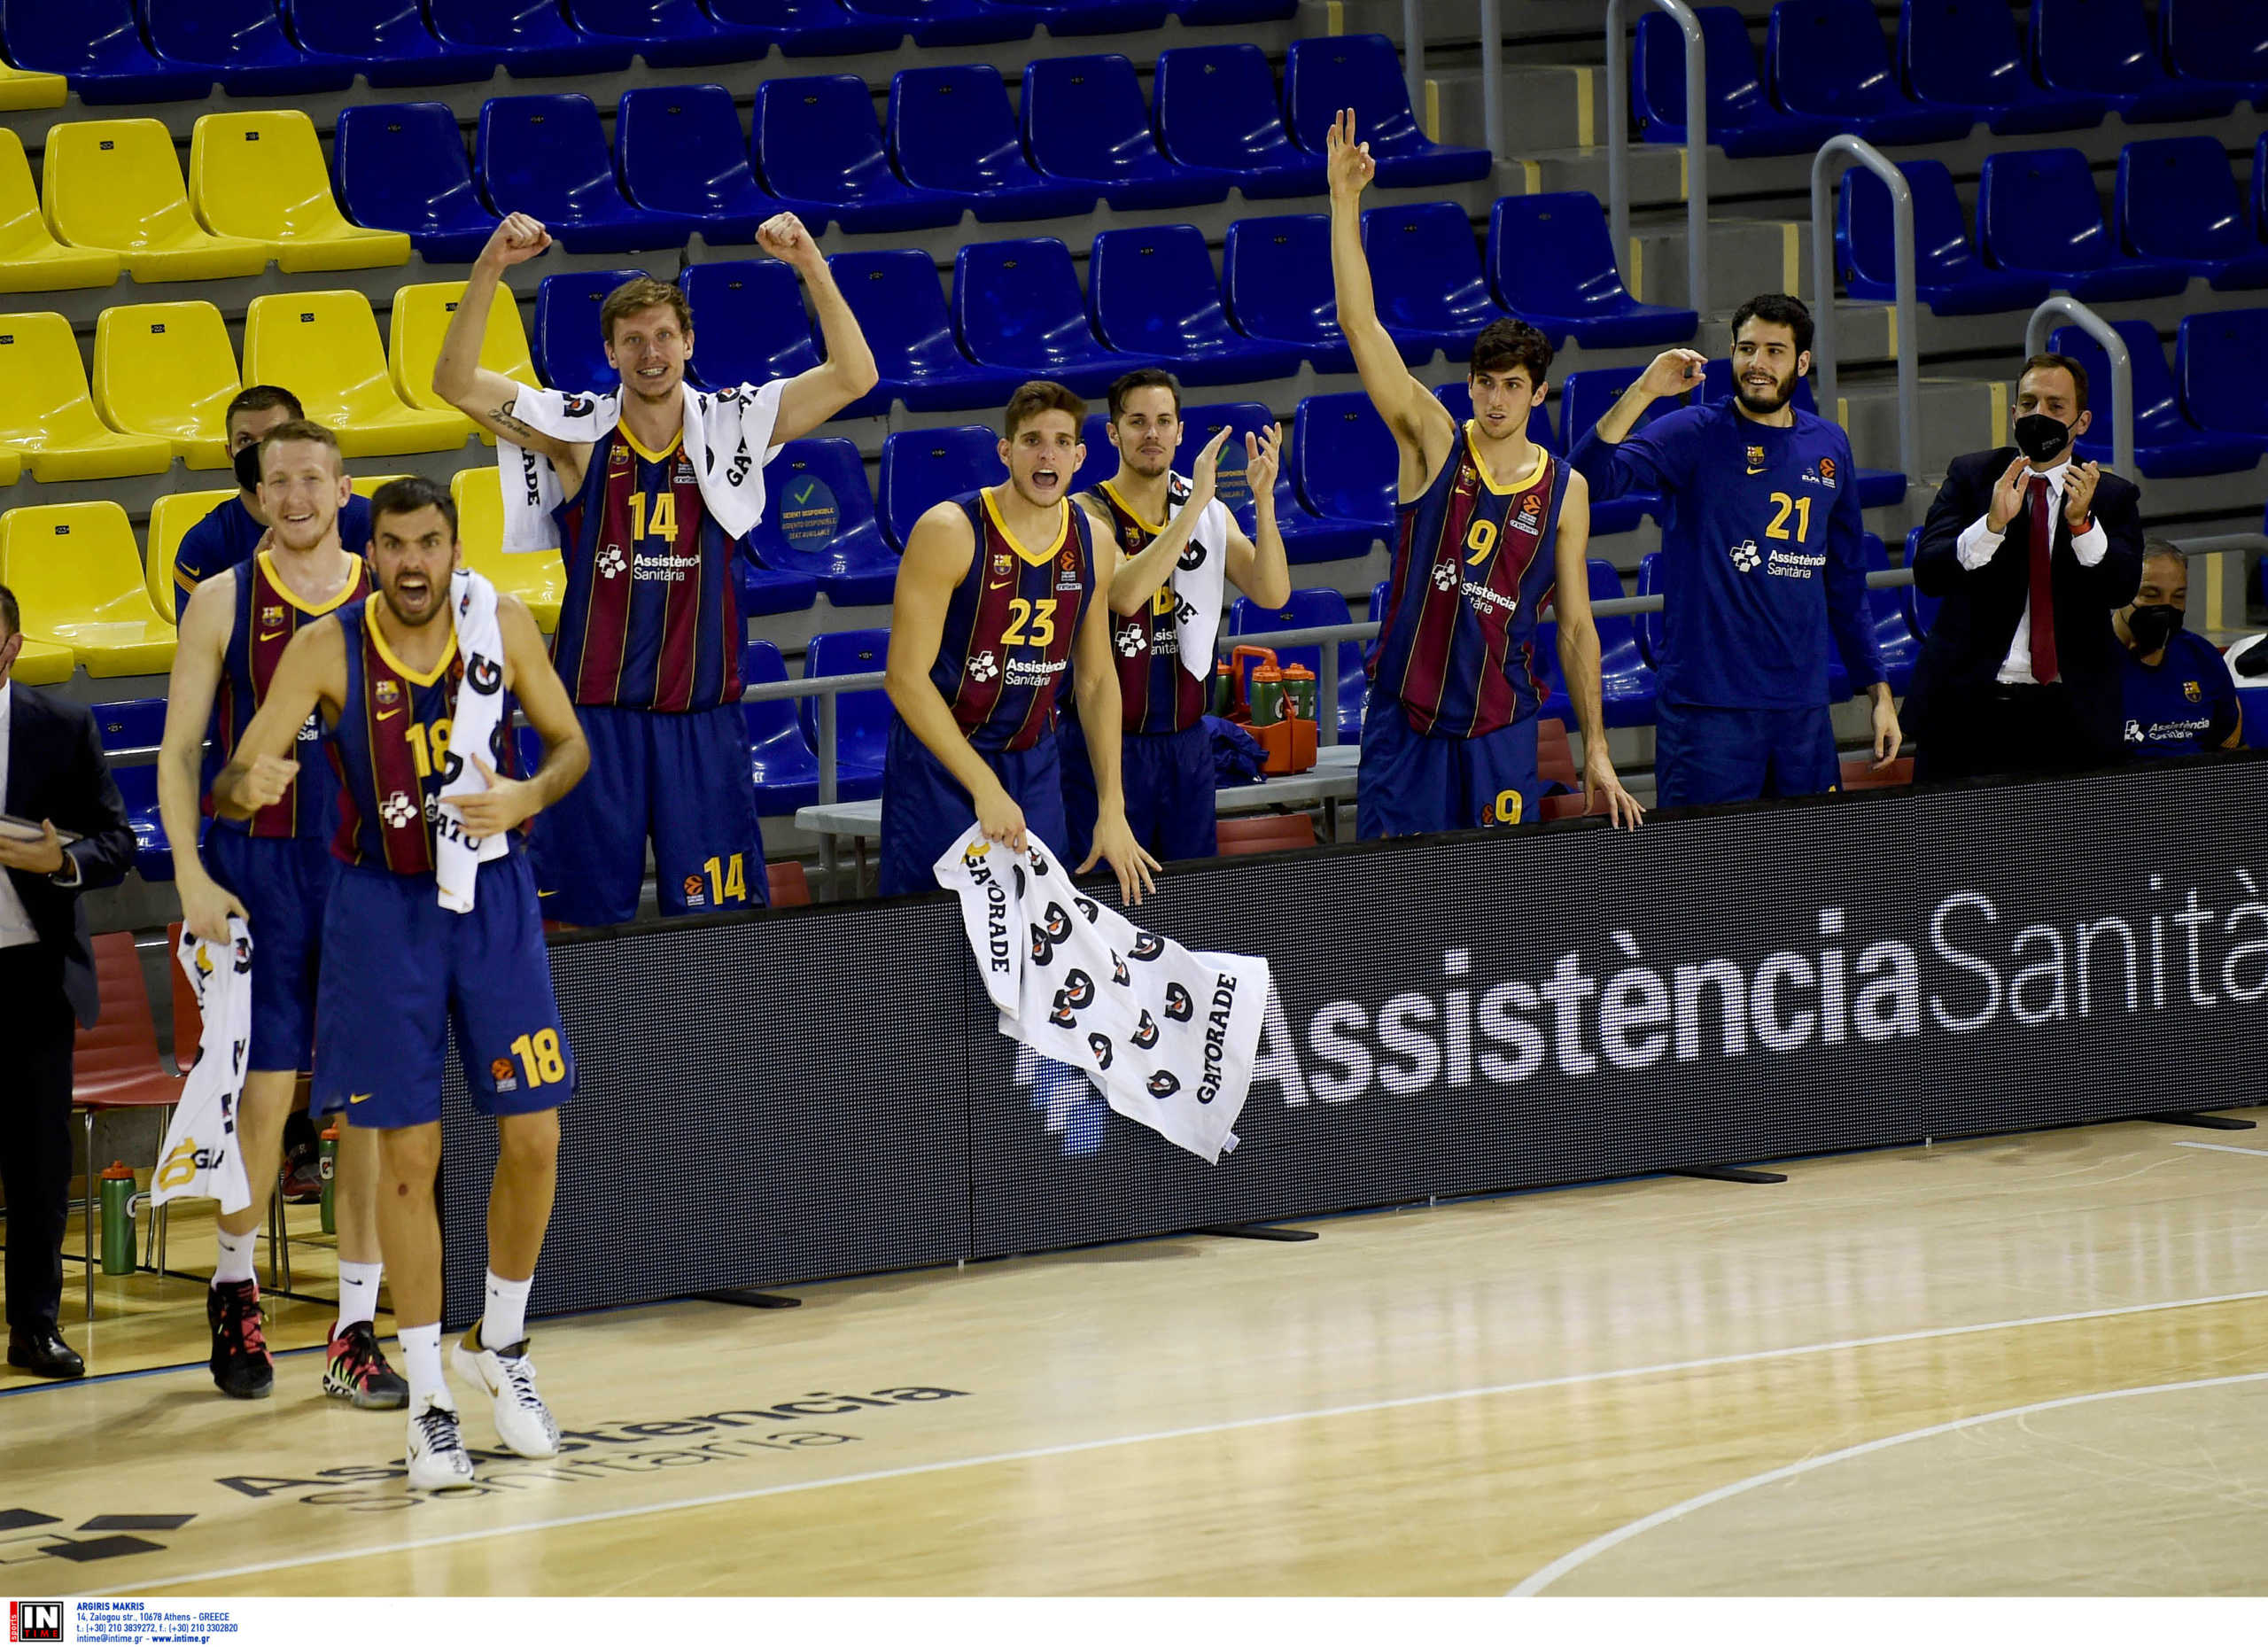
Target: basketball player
[(1490, 524), (995, 602), (1166, 759), (400, 970), (274, 869), (650, 632), (233, 528), (1762, 567)]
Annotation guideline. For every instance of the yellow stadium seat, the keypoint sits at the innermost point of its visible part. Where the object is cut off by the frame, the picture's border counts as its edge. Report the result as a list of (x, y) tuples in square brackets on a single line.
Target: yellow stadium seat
[(261, 177), (30, 259), (11, 466), (421, 318), (27, 89), (540, 580), (167, 369), (78, 574), (170, 518), (43, 662), (323, 346), (116, 184), (366, 485), (46, 414)]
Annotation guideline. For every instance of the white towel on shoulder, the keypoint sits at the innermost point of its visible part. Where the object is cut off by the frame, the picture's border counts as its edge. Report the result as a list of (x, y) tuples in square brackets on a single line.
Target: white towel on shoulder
[(457, 856), (202, 1156), (1200, 579), (725, 432)]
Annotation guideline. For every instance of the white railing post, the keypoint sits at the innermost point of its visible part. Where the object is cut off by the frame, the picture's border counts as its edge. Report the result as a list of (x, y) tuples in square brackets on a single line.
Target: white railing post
[(1413, 58), (1491, 76), (2122, 371), (1824, 178), (1697, 145)]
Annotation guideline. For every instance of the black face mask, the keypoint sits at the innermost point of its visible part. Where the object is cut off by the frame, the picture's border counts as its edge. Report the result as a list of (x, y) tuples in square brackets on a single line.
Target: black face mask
[(2152, 626), (247, 466), (2039, 437)]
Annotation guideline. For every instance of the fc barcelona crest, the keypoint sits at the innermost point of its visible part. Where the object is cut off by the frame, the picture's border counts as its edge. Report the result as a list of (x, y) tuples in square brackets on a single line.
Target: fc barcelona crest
[(2193, 691), (1133, 536), (1000, 566), (1756, 457), (271, 617), (387, 693)]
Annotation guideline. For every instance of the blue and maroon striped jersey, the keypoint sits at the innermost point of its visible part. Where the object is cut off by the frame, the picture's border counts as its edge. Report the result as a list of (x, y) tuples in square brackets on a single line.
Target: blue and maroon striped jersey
[(268, 616), (1473, 563), (1157, 693), (392, 749), (1009, 628), (652, 615)]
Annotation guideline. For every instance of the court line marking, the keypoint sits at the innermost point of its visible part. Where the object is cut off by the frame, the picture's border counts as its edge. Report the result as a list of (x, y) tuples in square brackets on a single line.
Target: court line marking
[(2225, 1149), (1065, 1449), (1542, 1578)]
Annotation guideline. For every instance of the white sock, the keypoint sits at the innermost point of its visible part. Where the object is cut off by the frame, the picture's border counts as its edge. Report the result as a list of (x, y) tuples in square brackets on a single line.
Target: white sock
[(235, 1262), (358, 1292), (420, 1364), (504, 1321)]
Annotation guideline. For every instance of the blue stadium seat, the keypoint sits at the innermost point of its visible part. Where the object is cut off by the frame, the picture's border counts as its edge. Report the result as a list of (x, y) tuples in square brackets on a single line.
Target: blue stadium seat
[(1425, 276), (547, 155), (1892, 636), (1217, 107), (1101, 462), (2104, 49), (1584, 399), (1152, 291), (1650, 624), (1016, 303), (1921, 609), (531, 36), (2037, 210), (818, 145), (947, 22), (1344, 463), (2167, 445), (952, 131), (901, 309), (786, 770), (1457, 398), (809, 28), (1551, 263), (2217, 360), (1199, 14), (2218, 42), (1309, 539), (1310, 609), (1828, 58), (922, 467), (243, 44), (819, 520), (1969, 55), (1627, 689), (1084, 119), (2176, 202), (749, 323), (1276, 274), (1878, 488), (138, 723), (1950, 275), (1742, 119), (98, 44), (388, 42), (568, 351), (861, 718), (403, 166), (669, 34), (681, 151), (1065, 18), (1363, 72), (765, 591)]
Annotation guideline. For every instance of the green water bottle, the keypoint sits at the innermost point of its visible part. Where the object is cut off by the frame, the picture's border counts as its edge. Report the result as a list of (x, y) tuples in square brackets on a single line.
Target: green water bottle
[(327, 1170), (118, 1219)]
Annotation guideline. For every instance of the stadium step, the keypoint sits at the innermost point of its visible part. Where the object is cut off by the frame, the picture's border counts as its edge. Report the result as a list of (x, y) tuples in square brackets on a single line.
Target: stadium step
[(1745, 256)]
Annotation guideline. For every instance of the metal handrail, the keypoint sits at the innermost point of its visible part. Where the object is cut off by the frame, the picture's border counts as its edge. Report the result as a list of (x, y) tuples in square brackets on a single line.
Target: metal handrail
[(1491, 76), (1823, 180), (1697, 145), (2122, 371), (1413, 58)]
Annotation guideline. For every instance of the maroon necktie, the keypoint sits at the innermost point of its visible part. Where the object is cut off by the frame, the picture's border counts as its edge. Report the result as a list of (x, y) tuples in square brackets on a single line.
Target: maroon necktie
[(2043, 589)]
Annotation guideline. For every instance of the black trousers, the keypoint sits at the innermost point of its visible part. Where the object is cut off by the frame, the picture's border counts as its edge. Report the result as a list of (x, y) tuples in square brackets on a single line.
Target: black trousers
[(2006, 731), (34, 1129)]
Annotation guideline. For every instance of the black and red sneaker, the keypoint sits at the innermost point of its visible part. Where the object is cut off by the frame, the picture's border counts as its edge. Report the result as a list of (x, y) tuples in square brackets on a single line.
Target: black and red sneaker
[(240, 1362), (357, 1371)]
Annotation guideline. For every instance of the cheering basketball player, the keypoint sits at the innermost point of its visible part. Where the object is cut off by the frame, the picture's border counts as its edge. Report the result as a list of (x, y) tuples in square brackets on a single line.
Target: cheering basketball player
[(995, 602), (650, 632), (274, 869), (1168, 596), (1489, 524), (401, 969)]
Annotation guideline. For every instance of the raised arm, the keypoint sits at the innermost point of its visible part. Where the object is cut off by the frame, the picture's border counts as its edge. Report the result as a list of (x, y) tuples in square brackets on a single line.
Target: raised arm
[(1142, 576), (811, 398), (1257, 564), (1094, 668), (460, 378), (1606, 457), (205, 905), (311, 673), (1579, 651)]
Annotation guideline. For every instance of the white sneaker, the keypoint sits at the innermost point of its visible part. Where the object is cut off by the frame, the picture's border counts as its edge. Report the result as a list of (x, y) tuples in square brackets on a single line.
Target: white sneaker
[(437, 1460), (524, 1423)]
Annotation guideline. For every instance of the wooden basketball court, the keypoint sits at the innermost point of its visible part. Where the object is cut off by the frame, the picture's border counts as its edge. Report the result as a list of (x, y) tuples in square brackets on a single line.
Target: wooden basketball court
[(2026, 1365)]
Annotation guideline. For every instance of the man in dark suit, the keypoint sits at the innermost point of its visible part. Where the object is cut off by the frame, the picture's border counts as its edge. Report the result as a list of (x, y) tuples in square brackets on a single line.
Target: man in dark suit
[(2016, 533), (53, 775)]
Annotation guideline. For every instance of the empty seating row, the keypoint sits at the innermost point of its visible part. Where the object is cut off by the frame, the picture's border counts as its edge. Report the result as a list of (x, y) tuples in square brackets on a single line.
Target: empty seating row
[(2177, 215), (119, 52), (2207, 415), (1828, 68)]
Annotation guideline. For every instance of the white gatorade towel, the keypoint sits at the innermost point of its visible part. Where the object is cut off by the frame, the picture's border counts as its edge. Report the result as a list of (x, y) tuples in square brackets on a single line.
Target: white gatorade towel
[(202, 1156)]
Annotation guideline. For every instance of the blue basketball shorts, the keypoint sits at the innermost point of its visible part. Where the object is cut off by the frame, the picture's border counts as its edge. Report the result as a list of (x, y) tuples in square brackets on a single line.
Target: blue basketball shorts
[(400, 972), (925, 810), (1413, 784), (284, 885), (684, 780), (1168, 778), (1703, 755)]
